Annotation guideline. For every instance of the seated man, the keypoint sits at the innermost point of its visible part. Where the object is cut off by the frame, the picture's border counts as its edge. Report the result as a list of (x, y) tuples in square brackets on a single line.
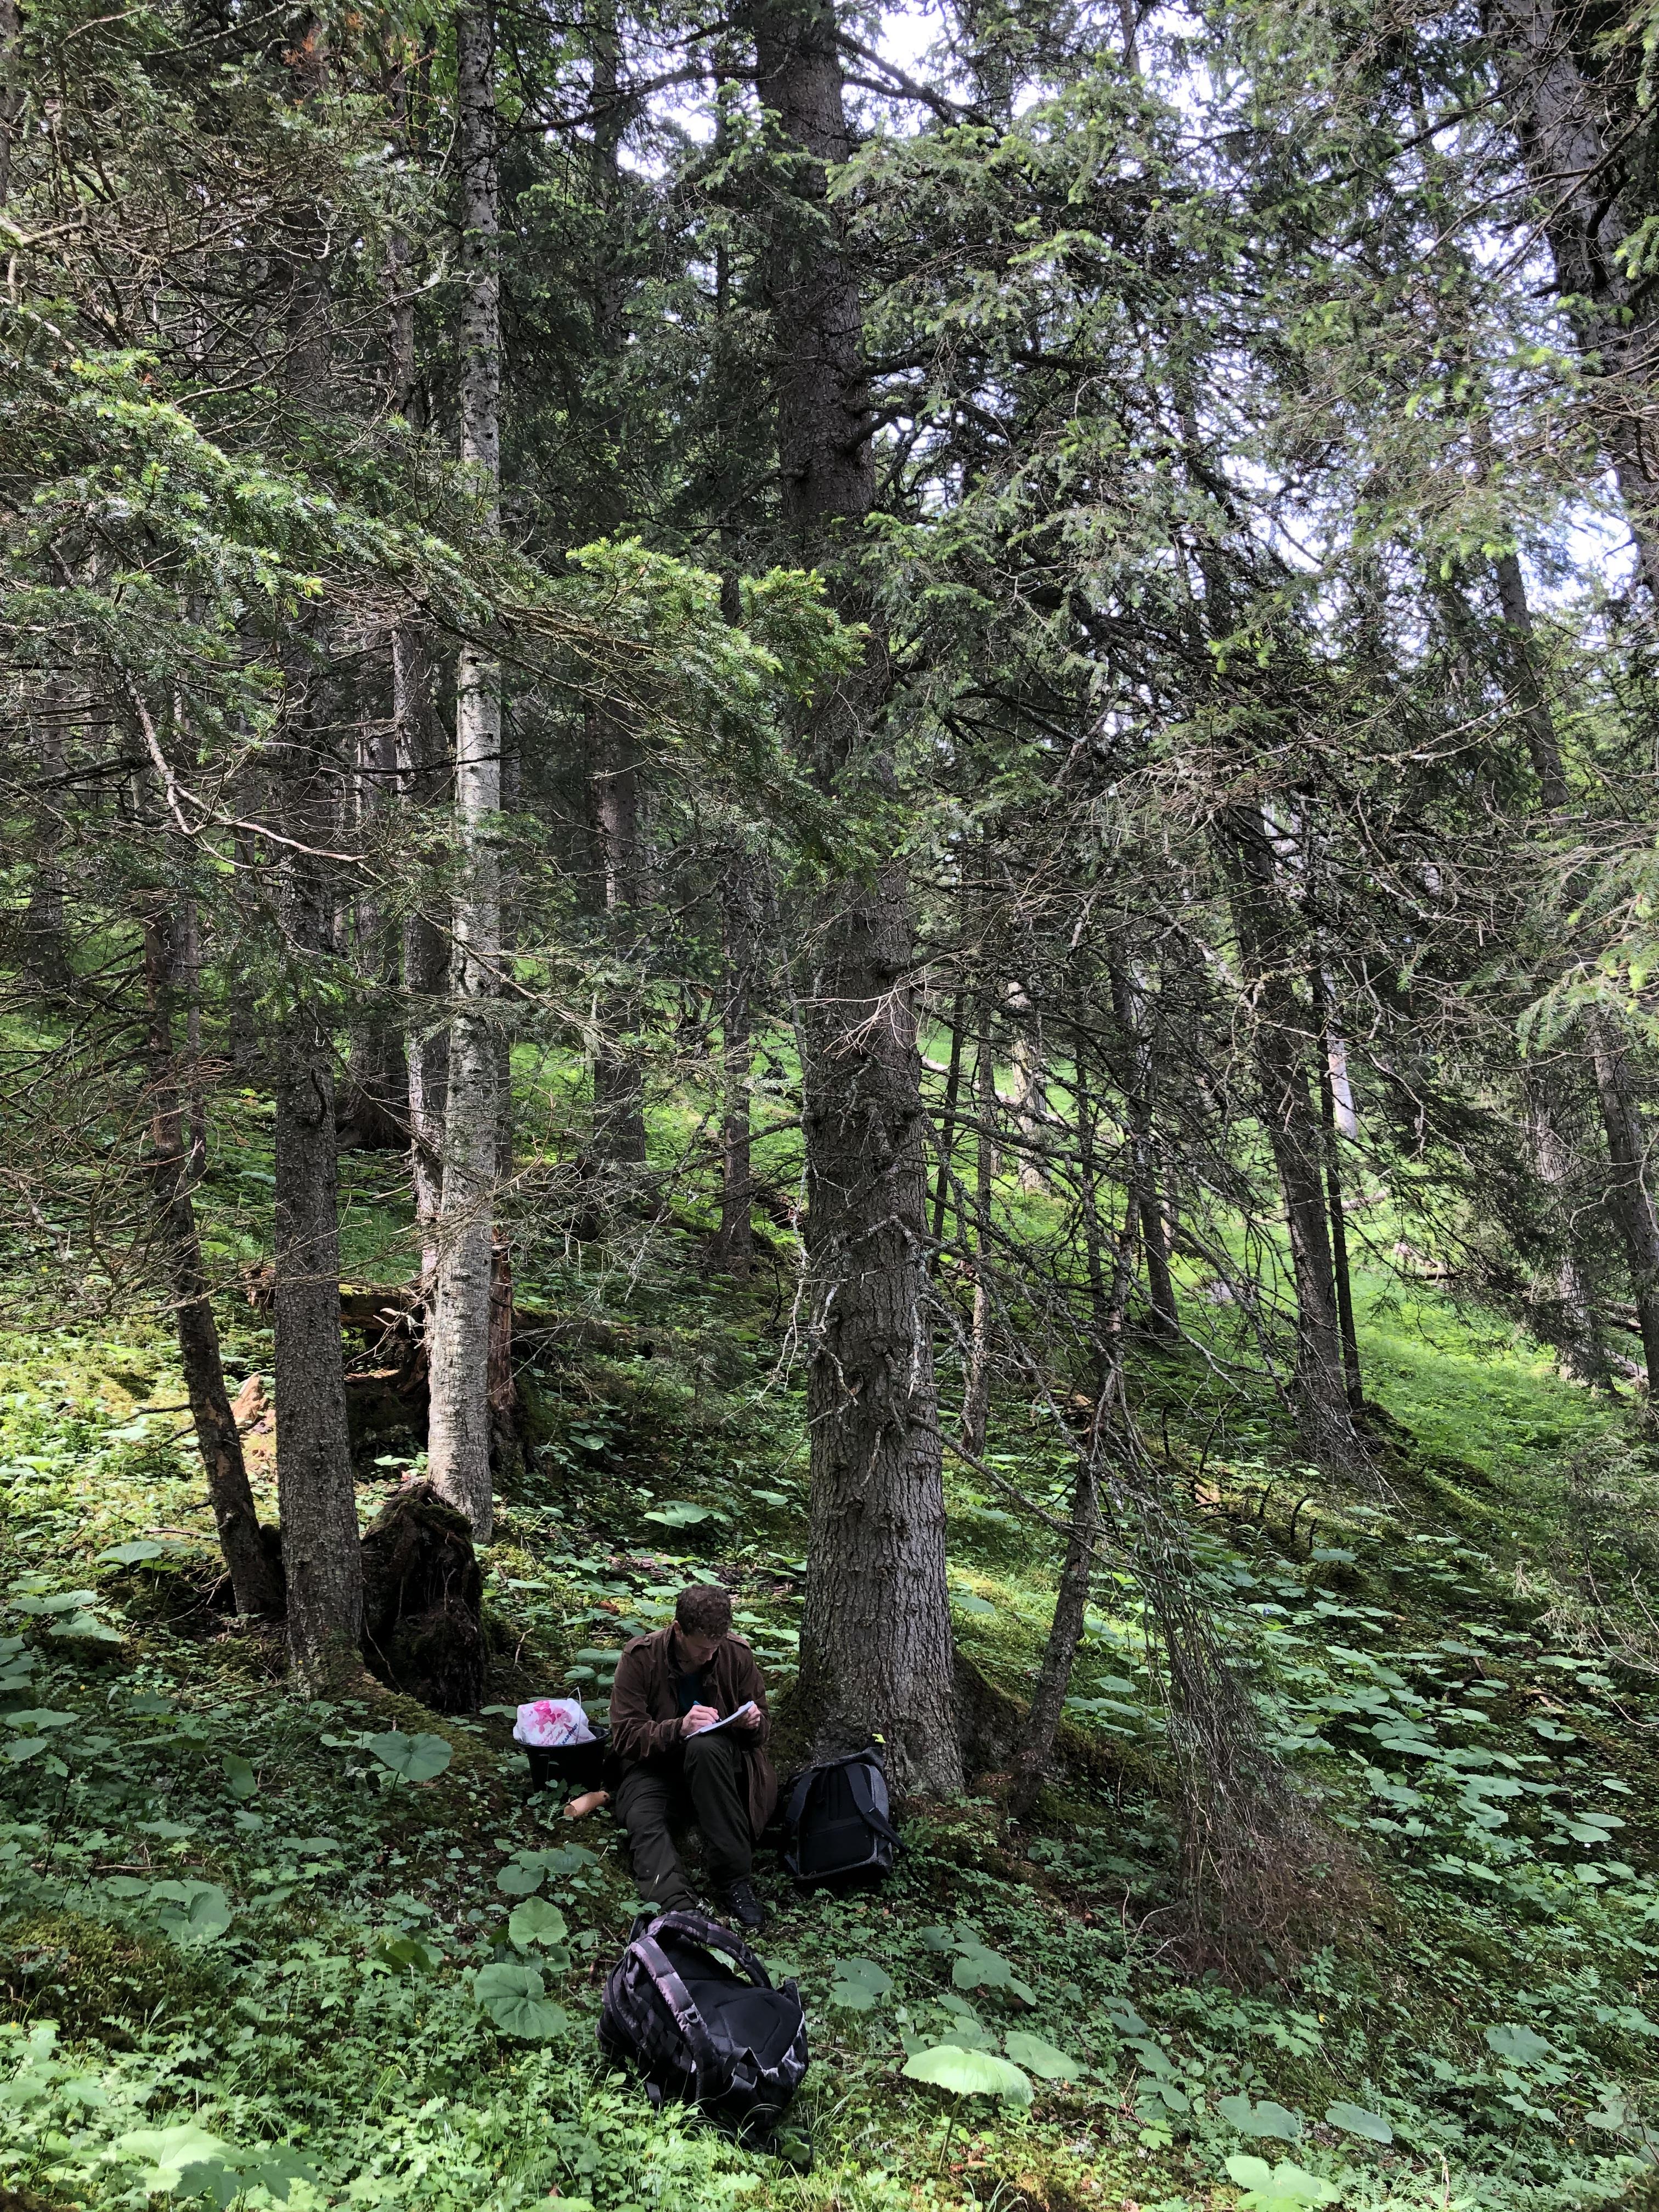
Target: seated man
[(670, 1687)]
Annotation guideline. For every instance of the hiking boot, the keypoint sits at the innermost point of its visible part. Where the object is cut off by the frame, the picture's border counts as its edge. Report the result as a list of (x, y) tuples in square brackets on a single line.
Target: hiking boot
[(745, 1909)]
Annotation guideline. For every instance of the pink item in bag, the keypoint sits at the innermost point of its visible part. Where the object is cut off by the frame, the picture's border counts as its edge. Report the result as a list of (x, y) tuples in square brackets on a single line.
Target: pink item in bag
[(547, 1723)]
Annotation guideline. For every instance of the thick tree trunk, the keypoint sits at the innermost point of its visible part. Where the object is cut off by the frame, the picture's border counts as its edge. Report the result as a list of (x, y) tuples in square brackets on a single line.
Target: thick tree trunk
[(1296, 1141), (459, 1441), (316, 1496), (1629, 1199), (876, 1648), (322, 1561), (253, 1575)]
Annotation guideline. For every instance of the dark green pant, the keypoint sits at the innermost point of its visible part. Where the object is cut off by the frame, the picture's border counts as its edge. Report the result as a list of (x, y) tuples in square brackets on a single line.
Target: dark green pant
[(706, 1782)]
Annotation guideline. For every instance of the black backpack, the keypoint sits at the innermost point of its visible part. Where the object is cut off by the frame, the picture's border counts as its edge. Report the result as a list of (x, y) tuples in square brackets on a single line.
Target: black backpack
[(690, 2003), (836, 1825)]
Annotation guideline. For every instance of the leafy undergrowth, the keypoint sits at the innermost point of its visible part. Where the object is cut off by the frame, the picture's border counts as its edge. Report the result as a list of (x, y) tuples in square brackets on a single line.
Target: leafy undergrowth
[(335, 1952)]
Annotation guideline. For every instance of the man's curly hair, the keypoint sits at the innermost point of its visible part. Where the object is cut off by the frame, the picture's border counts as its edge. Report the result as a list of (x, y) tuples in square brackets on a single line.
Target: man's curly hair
[(703, 1610)]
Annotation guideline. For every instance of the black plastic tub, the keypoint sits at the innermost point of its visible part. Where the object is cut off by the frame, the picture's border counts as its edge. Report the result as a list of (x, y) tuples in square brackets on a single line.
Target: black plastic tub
[(575, 1766)]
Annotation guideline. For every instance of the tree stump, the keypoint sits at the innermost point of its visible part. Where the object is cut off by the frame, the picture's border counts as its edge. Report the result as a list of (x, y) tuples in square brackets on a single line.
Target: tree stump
[(422, 1598)]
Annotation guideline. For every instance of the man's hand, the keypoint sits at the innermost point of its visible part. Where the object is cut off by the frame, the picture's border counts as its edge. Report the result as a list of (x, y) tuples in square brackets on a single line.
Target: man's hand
[(749, 1722), (700, 1717)]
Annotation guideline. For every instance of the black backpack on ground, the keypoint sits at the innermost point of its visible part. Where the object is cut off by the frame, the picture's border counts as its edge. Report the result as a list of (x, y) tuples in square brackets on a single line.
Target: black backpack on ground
[(836, 1823), (689, 2003)]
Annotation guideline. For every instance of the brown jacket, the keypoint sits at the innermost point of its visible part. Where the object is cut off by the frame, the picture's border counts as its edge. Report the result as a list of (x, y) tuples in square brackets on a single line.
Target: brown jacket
[(645, 1712)]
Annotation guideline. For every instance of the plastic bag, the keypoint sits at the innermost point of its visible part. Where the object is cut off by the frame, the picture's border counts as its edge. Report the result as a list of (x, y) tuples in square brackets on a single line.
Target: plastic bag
[(549, 1722)]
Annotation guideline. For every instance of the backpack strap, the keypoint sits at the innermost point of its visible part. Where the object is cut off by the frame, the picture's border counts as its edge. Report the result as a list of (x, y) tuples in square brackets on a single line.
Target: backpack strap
[(714, 1936), (858, 1781), (800, 1790), (675, 1995)]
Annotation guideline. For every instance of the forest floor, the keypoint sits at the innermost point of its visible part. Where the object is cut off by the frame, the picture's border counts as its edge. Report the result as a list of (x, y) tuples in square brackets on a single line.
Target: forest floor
[(239, 1952)]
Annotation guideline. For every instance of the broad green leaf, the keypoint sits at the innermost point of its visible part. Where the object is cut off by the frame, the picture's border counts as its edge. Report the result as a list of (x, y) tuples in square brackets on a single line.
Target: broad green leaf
[(859, 1985), (969, 1602), (240, 1778), (678, 1514), (1266, 2118), (1521, 2045), (40, 1717), (1355, 2120), (29, 1746), (411, 1758), (1279, 2188), (769, 1497), (131, 1555), (406, 1954), (1039, 2057), (968, 2073), (535, 1921), (170, 2153), (85, 1628), (520, 1877), (982, 1970), (514, 1998)]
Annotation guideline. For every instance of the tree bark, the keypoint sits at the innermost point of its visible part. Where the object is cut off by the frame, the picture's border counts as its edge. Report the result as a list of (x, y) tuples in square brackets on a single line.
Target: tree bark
[(1325, 1056), (876, 1646), (459, 1439), (1295, 1138), (425, 956), (254, 1579), (322, 1562)]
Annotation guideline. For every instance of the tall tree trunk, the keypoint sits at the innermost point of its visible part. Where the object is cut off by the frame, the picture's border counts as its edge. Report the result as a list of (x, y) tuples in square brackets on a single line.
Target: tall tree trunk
[(254, 1578), (425, 955), (1630, 1199), (734, 1248), (876, 1646), (418, 764), (616, 780), (458, 1437), (1325, 1056), (977, 1383), (322, 1563), (322, 1556), (1296, 1141)]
